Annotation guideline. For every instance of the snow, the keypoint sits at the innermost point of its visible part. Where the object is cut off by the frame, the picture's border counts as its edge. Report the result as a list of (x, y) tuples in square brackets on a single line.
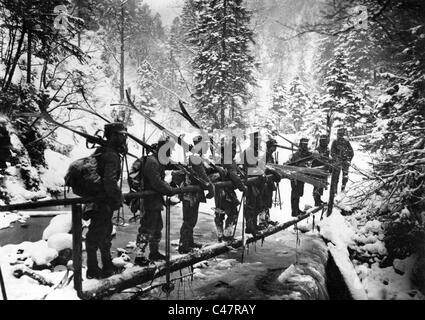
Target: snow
[(60, 241), (59, 224)]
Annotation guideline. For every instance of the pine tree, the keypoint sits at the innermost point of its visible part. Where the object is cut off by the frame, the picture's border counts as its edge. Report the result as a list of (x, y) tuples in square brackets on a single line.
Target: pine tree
[(297, 103), (339, 102), (145, 99), (223, 63)]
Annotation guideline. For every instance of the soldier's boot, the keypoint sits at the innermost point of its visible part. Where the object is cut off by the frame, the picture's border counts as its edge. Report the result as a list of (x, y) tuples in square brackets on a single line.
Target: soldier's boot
[(295, 207), (268, 220), (140, 258), (108, 268), (262, 218), (228, 232), (251, 227), (219, 217), (93, 270), (154, 254), (184, 247)]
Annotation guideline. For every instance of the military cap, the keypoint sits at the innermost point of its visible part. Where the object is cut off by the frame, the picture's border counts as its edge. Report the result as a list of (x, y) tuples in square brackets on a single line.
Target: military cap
[(271, 142), (115, 127), (323, 137), (303, 140), (341, 131), (197, 139)]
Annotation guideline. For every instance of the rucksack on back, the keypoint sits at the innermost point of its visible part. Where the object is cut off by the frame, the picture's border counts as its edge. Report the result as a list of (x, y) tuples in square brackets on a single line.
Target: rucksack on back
[(83, 177)]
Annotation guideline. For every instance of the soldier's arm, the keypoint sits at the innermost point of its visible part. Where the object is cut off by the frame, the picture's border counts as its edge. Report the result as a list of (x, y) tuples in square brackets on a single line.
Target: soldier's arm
[(152, 173), (234, 177), (111, 175)]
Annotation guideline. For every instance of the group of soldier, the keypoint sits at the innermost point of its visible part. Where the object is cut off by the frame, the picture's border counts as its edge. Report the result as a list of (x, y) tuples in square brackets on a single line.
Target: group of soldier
[(148, 173)]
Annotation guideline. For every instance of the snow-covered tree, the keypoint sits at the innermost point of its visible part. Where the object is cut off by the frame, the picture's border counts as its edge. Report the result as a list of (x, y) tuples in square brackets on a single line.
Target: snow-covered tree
[(223, 63)]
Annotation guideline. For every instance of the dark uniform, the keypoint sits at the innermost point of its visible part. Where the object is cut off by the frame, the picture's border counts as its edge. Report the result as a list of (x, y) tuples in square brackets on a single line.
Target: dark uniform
[(298, 186), (323, 151), (254, 195), (191, 203), (226, 200), (153, 173), (342, 153), (99, 235), (270, 186)]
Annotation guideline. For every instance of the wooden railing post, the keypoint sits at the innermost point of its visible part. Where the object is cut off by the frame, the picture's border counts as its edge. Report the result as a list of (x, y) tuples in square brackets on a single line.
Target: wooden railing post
[(77, 238)]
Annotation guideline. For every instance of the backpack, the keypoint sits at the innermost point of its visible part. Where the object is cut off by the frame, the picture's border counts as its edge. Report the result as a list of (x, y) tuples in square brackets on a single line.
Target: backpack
[(84, 178), (137, 184)]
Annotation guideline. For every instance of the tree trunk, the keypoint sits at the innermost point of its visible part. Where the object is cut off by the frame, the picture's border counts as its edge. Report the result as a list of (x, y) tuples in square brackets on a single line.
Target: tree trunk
[(122, 55), (15, 60), (29, 53)]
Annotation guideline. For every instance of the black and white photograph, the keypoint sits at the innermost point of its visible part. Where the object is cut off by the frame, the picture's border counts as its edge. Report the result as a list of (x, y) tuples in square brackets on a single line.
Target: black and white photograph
[(212, 154)]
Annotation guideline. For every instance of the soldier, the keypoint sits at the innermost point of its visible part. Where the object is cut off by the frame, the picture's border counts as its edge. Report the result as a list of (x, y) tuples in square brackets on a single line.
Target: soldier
[(5, 145), (342, 153), (270, 186), (226, 199), (298, 186), (254, 199), (99, 235), (152, 174), (323, 151), (191, 200)]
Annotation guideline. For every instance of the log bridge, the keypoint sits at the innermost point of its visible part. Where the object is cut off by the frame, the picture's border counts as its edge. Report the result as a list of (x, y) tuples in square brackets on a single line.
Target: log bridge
[(134, 276)]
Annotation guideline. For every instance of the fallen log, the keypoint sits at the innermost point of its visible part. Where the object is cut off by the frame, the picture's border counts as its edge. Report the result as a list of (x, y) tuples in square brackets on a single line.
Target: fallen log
[(289, 172), (25, 271), (135, 276)]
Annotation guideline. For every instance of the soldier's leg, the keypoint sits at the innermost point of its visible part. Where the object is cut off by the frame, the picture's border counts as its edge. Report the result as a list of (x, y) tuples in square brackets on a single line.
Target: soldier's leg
[(143, 237), (295, 199), (317, 196), (190, 218), (345, 168), (231, 220), (106, 241), (92, 244), (250, 212), (156, 234)]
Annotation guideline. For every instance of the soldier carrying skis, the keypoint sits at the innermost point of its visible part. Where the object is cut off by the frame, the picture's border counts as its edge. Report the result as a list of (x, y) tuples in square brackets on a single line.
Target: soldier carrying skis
[(152, 171), (342, 153), (99, 235), (191, 200)]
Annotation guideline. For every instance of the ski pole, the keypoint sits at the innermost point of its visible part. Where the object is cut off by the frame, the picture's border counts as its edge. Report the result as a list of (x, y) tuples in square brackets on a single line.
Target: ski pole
[(3, 287)]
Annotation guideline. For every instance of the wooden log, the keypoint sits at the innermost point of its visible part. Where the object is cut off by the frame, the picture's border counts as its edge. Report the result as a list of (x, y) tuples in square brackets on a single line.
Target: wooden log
[(77, 236), (289, 173), (127, 196), (25, 271), (134, 276)]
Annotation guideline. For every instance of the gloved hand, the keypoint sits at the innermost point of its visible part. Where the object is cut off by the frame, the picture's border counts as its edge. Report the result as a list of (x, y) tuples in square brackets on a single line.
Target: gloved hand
[(186, 189), (175, 191), (276, 178), (244, 188), (211, 191)]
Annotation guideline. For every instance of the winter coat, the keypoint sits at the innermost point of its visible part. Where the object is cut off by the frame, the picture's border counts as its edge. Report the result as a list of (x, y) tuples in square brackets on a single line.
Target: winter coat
[(298, 155), (200, 172), (109, 168), (324, 152), (153, 177), (341, 151)]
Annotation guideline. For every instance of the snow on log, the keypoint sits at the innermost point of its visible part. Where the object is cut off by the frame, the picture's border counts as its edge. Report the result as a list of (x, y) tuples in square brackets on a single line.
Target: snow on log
[(25, 271), (134, 276)]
